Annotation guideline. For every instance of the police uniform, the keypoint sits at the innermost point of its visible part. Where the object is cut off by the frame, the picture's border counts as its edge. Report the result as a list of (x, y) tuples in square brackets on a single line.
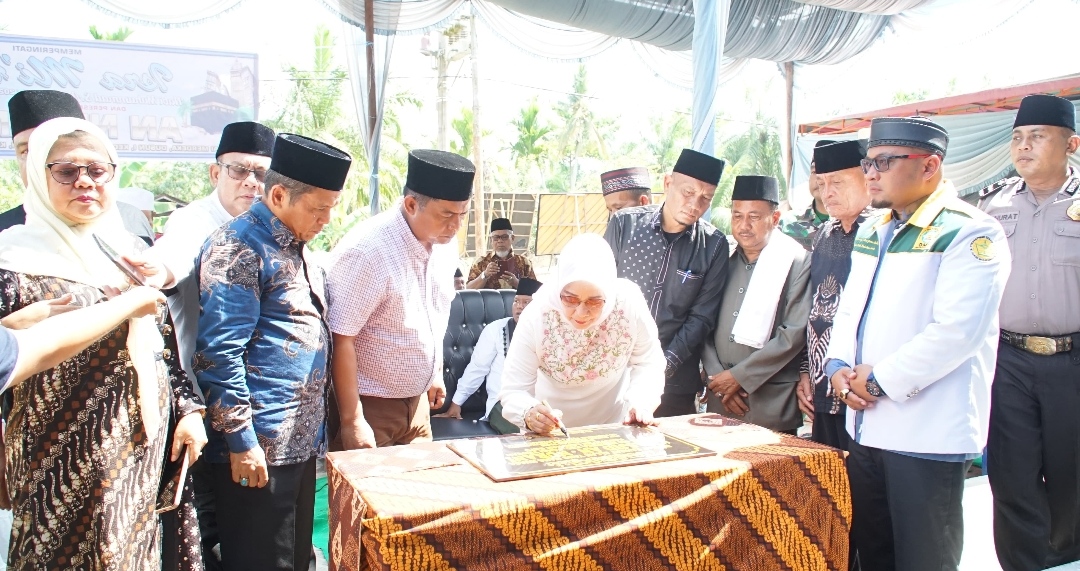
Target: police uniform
[(1034, 445)]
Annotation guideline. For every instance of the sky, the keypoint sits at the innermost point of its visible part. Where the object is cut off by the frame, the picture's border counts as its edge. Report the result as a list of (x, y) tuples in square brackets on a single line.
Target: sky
[(954, 55)]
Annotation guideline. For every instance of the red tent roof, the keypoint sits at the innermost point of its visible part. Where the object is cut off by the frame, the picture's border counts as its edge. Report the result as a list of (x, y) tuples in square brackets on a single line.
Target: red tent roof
[(1003, 99)]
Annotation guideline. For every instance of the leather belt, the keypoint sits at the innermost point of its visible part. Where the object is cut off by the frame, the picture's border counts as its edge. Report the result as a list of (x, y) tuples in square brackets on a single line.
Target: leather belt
[(1037, 344)]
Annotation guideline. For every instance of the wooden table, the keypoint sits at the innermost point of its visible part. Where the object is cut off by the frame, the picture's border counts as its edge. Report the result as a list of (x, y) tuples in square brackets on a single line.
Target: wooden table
[(764, 501)]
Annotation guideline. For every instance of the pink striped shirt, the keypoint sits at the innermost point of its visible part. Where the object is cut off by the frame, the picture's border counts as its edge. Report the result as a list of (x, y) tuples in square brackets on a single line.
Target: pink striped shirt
[(391, 294)]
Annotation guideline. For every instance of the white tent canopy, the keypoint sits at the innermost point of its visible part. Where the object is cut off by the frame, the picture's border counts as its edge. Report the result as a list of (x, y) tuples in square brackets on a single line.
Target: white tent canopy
[(721, 35)]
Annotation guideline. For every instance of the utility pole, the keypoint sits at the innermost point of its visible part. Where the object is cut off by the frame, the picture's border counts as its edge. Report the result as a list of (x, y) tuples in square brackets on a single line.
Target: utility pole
[(478, 159), (447, 52)]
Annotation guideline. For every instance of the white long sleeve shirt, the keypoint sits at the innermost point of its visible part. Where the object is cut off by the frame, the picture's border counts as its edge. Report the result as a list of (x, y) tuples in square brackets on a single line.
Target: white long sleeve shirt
[(929, 315), (487, 361), (178, 248), (592, 381)]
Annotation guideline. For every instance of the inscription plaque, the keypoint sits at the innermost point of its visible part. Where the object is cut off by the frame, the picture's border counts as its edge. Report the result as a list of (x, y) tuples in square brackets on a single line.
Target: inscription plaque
[(520, 456)]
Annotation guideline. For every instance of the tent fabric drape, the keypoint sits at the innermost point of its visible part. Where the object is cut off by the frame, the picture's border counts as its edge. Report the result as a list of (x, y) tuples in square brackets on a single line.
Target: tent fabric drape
[(399, 16), (710, 32), (881, 7), (668, 24), (676, 68), (541, 38), (360, 71), (165, 14), (978, 149)]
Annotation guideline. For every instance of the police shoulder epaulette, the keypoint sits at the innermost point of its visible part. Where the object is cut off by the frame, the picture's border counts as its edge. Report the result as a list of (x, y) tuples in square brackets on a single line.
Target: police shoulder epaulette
[(997, 186), (1073, 186)]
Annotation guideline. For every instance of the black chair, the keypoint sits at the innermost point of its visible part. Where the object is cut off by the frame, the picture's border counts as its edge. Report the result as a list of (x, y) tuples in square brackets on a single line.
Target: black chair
[(470, 312)]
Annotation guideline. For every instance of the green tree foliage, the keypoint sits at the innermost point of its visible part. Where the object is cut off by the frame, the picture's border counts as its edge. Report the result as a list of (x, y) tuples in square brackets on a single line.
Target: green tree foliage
[(671, 134), (314, 108), (463, 126), (583, 134), (530, 147), (754, 151), (117, 36)]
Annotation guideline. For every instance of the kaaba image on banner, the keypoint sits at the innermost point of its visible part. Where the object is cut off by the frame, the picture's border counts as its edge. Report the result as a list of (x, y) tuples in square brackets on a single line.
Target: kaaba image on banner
[(211, 111), (521, 456)]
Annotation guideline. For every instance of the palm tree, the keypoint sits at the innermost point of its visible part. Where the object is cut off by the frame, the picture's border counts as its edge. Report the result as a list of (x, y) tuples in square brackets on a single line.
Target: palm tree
[(529, 147), (314, 108), (754, 151), (671, 133), (583, 133), (117, 36), (463, 127)]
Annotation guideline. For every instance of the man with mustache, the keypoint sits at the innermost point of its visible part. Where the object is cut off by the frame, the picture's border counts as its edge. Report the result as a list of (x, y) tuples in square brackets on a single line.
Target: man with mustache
[(1034, 447), (680, 262), (753, 362), (501, 268)]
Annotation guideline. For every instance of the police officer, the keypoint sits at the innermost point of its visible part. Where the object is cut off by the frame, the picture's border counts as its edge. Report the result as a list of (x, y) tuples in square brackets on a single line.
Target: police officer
[(1035, 400)]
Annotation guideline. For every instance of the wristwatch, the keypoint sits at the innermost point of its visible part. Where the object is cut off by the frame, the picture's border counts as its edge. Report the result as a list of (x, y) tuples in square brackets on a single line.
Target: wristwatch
[(874, 388)]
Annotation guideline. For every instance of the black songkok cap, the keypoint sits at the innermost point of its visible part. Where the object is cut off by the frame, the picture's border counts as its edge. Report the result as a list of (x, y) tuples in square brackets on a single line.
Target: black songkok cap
[(1042, 110), (30, 108), (917, 132), (838, 156), (246, 137), (458, 274), (527, 286), (501, 224), (440, 175), (705, 168), (754, 187), (630, 178), (823, 142), (310, 162)]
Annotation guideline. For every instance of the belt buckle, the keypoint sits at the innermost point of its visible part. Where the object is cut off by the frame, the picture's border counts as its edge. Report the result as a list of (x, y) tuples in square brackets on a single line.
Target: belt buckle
[(1040, 345)]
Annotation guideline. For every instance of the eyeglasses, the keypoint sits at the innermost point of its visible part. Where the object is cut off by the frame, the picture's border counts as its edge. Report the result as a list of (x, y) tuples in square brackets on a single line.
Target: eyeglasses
[(883, 162), (237, 172), (522, 301), (501, 236), (68, 173), (573, 301)]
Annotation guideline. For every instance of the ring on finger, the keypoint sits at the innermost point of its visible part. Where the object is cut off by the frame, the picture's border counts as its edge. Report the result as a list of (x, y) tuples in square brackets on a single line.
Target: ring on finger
[(244, 481), (844, 393)]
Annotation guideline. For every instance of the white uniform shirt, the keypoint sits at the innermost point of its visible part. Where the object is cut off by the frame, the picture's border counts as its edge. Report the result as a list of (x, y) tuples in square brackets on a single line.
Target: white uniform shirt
[(487, 361), (930, 329), (178, 248)]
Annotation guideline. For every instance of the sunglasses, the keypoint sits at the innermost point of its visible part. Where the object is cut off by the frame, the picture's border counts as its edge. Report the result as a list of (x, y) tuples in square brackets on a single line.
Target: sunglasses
[(573, 301), (68, 173), (237, 172)]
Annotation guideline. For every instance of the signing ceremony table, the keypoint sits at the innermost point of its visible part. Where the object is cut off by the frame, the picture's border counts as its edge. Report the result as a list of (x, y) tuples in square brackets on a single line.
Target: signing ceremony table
[(763, 501)]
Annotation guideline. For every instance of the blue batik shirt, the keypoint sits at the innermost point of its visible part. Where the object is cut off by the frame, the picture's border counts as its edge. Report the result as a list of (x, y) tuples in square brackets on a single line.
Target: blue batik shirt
[(263, 347)]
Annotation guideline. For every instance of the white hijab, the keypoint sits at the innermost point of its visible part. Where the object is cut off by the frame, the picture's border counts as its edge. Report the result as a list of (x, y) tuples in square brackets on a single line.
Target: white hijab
[(585, 258), (51, 245)]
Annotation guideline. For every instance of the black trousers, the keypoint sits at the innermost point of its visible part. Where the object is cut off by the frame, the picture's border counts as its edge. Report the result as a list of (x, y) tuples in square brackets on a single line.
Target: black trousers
[(676, 405), (1035, 446), (906, 512), (269, 528), (829, 430), (202, 477)]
